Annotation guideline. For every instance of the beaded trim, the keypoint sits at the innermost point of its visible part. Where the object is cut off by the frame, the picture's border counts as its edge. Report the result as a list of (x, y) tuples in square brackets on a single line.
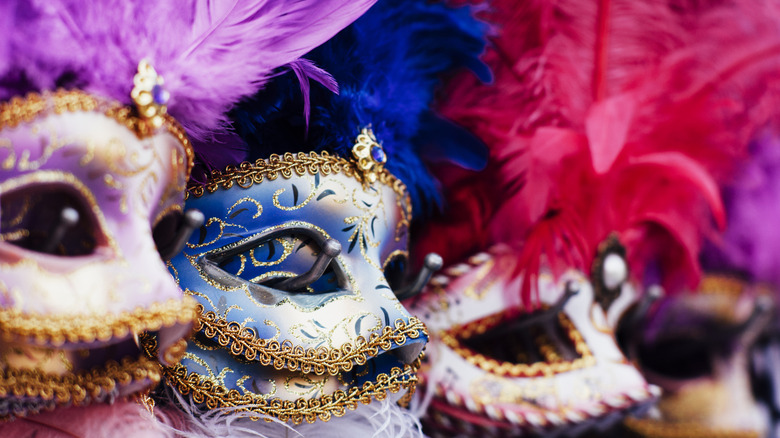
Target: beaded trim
[(508, 369), (658, 429), (80, 388), (34, 105), (58, 329), (215, 396), (244, 341), (247, 174)]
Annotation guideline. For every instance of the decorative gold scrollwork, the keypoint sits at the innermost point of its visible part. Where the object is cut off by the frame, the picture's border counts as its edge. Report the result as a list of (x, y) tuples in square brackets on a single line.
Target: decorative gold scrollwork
[(243, 341)]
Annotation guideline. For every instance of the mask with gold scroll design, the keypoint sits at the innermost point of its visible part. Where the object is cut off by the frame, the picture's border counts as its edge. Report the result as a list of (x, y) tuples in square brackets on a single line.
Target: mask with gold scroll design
[(303, 254), (496, 370), (90, 194), (296, 272), (92, 177)]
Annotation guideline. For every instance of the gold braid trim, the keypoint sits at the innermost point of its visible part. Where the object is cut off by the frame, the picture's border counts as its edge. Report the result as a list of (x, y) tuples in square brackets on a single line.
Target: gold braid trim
[(243, 341), (57, 329), (247, 174), (722, 285), (657, 429), (77, 389), (34, 105), (216, 396), (509, 369)]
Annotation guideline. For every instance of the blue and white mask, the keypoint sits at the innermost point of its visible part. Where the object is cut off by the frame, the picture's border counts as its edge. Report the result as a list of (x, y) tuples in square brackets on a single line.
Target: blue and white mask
[(296, 271)]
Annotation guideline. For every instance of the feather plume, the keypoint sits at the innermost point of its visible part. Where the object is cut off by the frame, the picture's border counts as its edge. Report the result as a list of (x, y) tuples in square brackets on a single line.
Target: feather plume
[(211, 53), (388, 65), (606, 116), (750, 244), (123, 418)]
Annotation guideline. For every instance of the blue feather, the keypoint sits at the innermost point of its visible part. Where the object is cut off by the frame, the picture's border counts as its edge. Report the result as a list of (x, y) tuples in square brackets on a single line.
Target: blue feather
[(388, 65)]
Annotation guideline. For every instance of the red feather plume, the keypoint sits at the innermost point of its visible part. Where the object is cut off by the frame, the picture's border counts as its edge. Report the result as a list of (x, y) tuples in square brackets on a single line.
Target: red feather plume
[(606, 116)]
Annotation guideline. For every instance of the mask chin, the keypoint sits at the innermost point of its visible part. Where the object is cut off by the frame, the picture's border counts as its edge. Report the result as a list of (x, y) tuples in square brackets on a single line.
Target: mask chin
[(495, 371)]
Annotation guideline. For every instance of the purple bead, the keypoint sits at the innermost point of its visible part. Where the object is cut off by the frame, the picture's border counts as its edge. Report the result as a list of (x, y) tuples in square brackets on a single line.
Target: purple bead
[(159, 95), (378, 154)]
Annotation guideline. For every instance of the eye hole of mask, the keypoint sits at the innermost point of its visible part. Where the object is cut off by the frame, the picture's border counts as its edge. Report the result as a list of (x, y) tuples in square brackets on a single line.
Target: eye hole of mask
[(677, 358), (52, 219), (527, 339), (166, 229), (280, 256), (396, 271)]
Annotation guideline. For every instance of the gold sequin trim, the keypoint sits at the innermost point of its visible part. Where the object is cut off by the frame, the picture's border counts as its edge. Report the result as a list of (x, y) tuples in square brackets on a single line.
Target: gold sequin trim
[(509, 369), (34, 105), (247, 174), (244, 342), (58, 329), (658, 429), (79, 388), (216, 396)]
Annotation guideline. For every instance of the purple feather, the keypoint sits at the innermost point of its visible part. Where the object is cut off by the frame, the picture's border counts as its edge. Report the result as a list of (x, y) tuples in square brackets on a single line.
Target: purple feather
[(751, 243), (305, 70), (211, 53)]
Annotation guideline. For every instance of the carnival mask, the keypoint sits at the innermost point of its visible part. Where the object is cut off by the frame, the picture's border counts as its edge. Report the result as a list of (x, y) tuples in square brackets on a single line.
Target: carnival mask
[(495, 371), (89, 192), (296, 272), (695, 347)]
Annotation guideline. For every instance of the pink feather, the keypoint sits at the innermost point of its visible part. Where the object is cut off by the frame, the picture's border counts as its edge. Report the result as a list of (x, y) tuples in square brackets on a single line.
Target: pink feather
[(613, 116)]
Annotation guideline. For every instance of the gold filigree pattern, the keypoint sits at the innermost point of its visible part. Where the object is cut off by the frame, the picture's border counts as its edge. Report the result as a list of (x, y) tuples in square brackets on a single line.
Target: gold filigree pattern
[(370, 156), (77, 389), (36, 105), (216, 396), (58, 329), (586, 359), (243, 341), (247, 174)]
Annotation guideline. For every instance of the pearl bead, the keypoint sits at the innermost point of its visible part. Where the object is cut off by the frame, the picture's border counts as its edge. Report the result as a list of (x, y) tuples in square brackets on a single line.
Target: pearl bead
[(615, 271)]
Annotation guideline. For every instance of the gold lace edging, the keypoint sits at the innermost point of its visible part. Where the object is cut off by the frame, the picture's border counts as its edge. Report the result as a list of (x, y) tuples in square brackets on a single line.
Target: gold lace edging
[(247, 174), (34, 105), (508, 369), (81, 387), (216, 396), (58, 329), (243, 341), (657, 429)]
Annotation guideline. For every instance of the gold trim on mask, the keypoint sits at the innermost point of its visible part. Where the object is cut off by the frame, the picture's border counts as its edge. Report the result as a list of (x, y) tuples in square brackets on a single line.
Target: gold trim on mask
[(34, 105), (216, 396), (244, 342), (76, 388), (57, 329), (721, 285), (658, 429), (508, 369), (247, 174)]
